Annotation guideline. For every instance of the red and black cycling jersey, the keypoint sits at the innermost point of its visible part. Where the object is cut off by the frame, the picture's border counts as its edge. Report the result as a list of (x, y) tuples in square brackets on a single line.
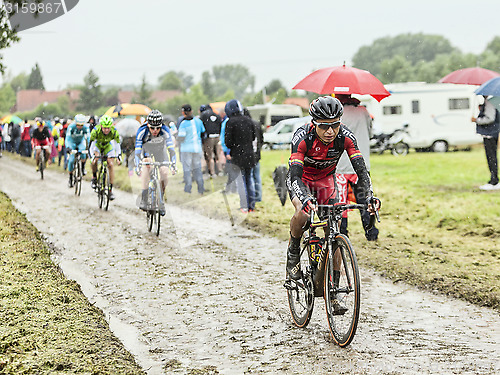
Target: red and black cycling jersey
[(313, 160), (41, 135)]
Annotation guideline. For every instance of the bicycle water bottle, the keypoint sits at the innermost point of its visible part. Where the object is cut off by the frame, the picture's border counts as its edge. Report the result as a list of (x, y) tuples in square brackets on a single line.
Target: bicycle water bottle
[(315, 249), (317, 252)]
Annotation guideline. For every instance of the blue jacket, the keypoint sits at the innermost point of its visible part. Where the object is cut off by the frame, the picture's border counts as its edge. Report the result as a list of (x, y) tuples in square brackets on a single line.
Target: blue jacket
[(191, 131)]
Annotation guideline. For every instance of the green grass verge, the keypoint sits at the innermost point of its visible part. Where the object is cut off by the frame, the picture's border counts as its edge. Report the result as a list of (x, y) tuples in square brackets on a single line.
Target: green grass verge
[(47, 324)]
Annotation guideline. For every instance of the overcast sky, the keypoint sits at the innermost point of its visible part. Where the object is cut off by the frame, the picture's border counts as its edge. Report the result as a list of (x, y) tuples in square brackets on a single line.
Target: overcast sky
[(121, 40)]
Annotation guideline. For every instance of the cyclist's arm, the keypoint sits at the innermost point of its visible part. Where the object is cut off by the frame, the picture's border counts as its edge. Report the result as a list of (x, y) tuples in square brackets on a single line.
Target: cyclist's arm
[(358, 163), (170, 145), (141, 132), (296, 166)]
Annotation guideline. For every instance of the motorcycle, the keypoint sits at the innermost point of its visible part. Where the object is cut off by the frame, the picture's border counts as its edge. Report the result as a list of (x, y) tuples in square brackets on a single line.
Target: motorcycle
[(395, 142)]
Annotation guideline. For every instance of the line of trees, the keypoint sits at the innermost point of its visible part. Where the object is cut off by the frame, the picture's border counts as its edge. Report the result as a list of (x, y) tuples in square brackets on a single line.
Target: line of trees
[(405, 57), (421, 57)]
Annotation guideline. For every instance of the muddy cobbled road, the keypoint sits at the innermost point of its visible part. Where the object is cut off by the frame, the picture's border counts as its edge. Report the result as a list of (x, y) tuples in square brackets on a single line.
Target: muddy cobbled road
[(207, 298)]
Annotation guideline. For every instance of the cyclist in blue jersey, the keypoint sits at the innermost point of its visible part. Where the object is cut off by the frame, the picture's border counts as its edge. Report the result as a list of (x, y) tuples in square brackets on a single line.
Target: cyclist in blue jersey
[(77, 138), (153, 138)]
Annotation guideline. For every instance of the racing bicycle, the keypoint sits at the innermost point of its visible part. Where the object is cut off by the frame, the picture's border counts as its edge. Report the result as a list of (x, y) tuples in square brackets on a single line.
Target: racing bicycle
[(78, 171), (103, 188), (155, 196), (42, 163), (318, 255)]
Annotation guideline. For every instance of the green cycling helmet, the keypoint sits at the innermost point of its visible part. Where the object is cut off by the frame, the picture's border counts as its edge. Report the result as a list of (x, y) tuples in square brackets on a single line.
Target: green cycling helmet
[(106, 121)]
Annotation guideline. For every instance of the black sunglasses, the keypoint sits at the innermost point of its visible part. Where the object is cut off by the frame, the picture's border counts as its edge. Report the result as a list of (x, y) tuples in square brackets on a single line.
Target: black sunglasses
[(156, 127), (327, 125)]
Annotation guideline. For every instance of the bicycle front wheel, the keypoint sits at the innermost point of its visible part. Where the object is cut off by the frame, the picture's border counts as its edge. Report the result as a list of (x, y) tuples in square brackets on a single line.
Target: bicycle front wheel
[(77, 177), (100, 188), (107, 188), (300, 293), (342, 288), (158, 199), (42, 163)]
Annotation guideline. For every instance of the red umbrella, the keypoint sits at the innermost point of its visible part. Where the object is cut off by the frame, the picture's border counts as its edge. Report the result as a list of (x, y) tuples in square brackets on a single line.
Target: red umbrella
[(469, 76), (343, 80)]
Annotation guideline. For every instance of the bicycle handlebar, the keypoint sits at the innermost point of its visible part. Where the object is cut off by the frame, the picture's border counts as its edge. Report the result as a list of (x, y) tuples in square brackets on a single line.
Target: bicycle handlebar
[(81, 152), (156, 163), (341, 207)]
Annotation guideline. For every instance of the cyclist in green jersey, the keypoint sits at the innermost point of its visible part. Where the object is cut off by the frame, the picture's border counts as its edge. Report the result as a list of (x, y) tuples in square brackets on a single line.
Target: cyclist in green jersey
[(105, 140)]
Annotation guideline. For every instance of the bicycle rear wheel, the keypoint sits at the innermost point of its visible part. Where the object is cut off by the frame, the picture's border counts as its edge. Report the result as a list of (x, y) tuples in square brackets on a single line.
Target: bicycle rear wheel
[(347, 292), (301, 293)]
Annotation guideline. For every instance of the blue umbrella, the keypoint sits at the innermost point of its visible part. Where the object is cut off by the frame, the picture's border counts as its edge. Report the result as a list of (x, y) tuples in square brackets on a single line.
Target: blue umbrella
[(491, 87)]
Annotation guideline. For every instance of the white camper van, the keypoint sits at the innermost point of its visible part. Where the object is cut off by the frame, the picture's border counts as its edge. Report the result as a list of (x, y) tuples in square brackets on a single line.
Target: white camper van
[(438, 114), (270, 114)]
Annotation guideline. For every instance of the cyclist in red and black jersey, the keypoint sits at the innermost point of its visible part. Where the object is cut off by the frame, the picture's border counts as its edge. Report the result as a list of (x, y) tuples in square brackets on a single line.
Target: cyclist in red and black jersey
[(316, 150), (41, 140)]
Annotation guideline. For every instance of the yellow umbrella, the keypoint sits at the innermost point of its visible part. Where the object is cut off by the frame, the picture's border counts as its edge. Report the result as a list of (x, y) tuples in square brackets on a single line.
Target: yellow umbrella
[(127, 109)]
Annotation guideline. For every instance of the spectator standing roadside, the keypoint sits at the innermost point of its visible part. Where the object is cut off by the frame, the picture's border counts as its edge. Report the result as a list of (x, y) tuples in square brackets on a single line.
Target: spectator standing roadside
[(15, 137), (239, 137), (488, 126), (92, 123), (26, 139), (211, 147), (189, 138), (186, 108), (257, 146), (357, 119)]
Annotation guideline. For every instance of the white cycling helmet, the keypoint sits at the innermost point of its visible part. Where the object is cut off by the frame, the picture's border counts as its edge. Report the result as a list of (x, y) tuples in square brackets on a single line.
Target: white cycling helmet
[(80, 119)]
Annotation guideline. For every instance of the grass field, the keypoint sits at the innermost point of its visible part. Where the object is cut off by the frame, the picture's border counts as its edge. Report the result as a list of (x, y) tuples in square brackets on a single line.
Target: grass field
[(438, 230)]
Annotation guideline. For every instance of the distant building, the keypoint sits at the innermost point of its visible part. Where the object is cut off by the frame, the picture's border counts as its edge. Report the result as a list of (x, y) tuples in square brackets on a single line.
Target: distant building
[(27, 100)]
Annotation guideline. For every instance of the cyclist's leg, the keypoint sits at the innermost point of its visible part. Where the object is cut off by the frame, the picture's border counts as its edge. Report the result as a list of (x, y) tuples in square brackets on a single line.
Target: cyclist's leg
[(37, 156), (94, 151), (163, 178), (83, 157), (72, 157), (297, 223), (47, 154), (111, 169), (145, 176)]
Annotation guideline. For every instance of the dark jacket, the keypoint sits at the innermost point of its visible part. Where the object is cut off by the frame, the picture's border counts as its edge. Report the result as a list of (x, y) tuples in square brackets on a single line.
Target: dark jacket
[(259, 139), (239, 137), (211, 121)]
